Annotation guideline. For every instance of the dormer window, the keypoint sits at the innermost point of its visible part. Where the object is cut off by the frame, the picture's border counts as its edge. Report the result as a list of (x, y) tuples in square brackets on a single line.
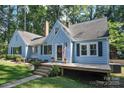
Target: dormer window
[(56, 30)]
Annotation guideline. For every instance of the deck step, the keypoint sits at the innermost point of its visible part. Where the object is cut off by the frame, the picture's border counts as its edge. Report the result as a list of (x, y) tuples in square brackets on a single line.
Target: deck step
[(40, 73), (45, 67), (43, 70)]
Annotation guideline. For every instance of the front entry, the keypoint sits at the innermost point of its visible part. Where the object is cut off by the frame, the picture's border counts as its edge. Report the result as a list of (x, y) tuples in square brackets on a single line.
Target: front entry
[(59, 52)]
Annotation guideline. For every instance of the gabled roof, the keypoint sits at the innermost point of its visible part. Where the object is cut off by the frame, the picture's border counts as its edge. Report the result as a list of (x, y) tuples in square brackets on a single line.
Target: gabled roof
[(29, 38), (88, 30), (66, 30), (82, 31)]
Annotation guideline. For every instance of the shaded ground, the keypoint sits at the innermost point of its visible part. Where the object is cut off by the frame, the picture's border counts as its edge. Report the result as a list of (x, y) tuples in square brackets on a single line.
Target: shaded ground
[(55, 82), (117, 61), (12, 71), (120, 75)]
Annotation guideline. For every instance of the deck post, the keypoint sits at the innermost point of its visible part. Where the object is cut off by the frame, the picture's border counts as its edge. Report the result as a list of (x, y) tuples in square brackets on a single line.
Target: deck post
[(62, 71)]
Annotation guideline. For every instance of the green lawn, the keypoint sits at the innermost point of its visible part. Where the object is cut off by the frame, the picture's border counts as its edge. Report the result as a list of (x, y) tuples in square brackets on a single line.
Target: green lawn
[(55, 82), (12, 71)]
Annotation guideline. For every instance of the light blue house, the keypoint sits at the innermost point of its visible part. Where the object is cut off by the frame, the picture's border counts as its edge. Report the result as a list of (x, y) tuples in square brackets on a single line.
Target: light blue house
[(85, 42)]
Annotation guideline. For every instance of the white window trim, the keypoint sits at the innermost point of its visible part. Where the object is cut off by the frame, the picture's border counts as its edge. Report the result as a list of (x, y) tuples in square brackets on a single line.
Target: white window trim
[(81, 49), (33, 50), (56, 51), (96, 48), (88, 49), (43, 49)]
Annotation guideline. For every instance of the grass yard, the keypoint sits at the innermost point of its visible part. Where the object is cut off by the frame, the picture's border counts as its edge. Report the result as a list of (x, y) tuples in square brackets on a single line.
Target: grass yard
[(55, 82), (12, 71)]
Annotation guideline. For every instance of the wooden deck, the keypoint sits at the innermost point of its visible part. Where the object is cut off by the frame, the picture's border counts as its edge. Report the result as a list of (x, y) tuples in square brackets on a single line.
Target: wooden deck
[(103, 68)]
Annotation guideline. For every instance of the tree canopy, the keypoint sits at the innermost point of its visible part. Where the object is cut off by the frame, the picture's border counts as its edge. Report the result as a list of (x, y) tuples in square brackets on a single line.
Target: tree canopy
[(32, 18)]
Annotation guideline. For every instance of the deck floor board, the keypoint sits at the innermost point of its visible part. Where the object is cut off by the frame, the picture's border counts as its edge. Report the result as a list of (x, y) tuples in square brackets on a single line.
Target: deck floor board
[(104, 68)]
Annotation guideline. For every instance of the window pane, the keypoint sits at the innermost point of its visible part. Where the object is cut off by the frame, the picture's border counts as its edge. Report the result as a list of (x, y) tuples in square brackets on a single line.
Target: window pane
[(83, 52), (92, 52), (49, 51), (83, 49), (45, 49), (93, 46)]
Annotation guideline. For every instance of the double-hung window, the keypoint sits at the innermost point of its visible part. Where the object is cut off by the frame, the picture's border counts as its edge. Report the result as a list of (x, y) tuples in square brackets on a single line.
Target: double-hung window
[(93, 49), (88, 49), (83, 50), (47, 49)]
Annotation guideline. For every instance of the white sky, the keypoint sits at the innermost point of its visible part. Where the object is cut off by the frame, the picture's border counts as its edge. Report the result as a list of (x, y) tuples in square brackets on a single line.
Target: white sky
[(62, 2)]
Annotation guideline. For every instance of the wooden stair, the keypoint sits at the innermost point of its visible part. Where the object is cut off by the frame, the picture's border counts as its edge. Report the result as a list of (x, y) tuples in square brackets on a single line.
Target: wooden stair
[(43, 70)]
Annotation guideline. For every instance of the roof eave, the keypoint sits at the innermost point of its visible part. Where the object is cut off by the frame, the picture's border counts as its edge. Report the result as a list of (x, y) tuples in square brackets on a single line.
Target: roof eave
[(100, 38)]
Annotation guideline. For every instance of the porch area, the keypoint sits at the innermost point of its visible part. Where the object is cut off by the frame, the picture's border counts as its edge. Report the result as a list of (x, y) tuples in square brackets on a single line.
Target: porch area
[(102, 68)]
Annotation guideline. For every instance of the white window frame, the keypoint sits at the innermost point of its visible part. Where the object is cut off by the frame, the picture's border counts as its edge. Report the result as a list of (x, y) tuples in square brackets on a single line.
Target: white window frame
[(43, 49), (56, 51), (88, 49), (96, 48), (81, 48)]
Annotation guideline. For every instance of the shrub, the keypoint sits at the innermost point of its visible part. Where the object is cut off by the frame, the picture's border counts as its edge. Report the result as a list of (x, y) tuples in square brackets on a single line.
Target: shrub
[(55, 70), (15, 57), (2, 55), (9, 57), (35, 63), (19, 58)]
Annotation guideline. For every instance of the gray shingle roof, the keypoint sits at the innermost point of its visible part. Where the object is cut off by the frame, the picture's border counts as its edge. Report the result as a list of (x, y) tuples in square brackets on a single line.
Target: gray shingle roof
[(38, 41), (31, 38), (88, 30), (82, 31)]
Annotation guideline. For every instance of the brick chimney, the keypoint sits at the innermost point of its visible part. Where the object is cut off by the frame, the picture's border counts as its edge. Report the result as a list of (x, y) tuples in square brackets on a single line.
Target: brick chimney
[(46, 28)]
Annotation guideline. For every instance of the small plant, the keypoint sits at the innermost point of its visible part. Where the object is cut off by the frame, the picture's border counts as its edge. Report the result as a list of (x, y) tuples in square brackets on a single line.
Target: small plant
[(55, 70), (36, 63), (18, 59)]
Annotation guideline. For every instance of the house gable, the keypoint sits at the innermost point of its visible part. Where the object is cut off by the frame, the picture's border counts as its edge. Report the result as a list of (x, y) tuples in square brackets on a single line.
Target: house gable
[(16, 40), (57, 31)]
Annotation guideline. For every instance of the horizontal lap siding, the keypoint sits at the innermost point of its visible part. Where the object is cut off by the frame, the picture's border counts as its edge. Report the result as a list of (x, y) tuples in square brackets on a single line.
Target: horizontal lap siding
[(93, 59), (18, 43), (59, 38)]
